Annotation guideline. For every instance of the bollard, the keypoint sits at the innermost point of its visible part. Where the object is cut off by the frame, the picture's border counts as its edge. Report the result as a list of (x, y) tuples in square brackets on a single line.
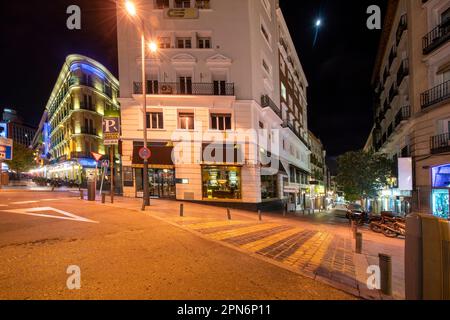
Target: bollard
[(143, 207), (359, 242), (354, 228), (229, 214), (181, 210), (386, 274), (103, 198), (259, 215), (81, 194)]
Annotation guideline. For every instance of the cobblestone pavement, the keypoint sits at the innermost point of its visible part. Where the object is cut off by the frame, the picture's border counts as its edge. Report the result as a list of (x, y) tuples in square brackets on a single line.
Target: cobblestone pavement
[(319, 246)]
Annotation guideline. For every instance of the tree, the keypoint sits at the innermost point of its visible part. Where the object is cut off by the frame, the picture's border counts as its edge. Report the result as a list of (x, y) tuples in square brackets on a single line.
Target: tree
[(23, 159), (363, 175)]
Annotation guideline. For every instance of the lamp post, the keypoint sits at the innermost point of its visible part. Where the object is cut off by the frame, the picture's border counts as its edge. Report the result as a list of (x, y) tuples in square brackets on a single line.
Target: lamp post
[(132, 11)]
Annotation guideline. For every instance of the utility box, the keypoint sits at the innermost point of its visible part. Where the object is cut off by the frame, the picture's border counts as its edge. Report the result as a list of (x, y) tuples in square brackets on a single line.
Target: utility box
[(91, 190), (427, 258)]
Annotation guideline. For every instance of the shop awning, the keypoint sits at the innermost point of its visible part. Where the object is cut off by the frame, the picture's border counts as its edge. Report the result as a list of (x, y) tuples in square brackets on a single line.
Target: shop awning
[(160, 156)]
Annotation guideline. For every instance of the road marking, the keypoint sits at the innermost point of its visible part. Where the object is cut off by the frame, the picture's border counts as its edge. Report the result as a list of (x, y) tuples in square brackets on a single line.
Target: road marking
[(35, 212), (24, 202), (3, 205), (266, 242), (215, 224), (241, 231)]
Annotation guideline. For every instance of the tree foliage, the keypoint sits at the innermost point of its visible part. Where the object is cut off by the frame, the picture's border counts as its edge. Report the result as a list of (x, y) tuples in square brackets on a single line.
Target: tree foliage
[(362, 174), (23, 159)]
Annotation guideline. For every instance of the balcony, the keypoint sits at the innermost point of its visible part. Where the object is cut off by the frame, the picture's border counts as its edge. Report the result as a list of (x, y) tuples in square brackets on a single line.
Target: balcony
[(436, 37), (392, 56), (440, 143), (195, 89), (435, 95), (90, 131), (290, 125), (393, 92), (403, 115), (267, 102), (403, 71)]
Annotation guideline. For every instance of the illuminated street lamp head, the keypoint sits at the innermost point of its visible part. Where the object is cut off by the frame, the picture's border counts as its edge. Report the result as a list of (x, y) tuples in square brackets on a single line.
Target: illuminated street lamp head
[(131, 8), (153, 46)]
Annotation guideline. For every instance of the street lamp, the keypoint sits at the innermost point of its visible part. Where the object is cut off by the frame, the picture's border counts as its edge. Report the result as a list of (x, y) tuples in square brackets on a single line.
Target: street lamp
[(132, 11)]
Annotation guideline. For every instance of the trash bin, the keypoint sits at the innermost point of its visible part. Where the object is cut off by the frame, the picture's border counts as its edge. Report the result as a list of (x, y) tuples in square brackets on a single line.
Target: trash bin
[(91, 190), (413, 258)]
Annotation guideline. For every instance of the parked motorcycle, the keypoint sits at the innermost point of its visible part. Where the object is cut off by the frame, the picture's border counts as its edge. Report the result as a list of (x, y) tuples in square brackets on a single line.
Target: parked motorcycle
[(356, 213), (389, 225)]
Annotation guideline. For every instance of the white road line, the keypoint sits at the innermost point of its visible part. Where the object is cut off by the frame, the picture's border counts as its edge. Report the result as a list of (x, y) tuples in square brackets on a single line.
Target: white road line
[(24, 202), (3, 205), (35, 212)]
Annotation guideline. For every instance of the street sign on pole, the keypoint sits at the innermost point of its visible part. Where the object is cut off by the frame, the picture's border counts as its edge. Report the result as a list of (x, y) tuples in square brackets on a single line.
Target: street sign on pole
[(97, 156), (111, 131), (6, 149), (145, 153)]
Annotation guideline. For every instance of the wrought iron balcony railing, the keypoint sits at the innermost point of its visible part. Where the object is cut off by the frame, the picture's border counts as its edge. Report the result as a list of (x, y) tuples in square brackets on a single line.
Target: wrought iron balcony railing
[(440, 143), (436, 37), (403, 71), (402, 27), (267, 102), (403, 115), (178, 88), (435, 95)]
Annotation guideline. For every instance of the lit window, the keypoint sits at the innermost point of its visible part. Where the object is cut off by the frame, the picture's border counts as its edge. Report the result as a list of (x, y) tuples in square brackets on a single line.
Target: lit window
[(164, 42), (283, 91), (186, 121)]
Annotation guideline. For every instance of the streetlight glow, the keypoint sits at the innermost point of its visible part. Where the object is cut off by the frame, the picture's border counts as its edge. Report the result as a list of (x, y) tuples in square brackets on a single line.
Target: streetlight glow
[(153, 46), (131, 8)]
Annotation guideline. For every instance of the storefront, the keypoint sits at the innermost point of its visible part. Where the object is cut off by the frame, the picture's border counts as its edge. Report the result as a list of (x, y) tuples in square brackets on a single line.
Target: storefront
[(269, 187), (161, 172), (441, 191), (221, 182)]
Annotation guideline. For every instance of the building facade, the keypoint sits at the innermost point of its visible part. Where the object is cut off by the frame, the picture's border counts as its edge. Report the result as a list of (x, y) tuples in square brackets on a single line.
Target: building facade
[(226, 105), (412, 99), (320, 176), (71, 126), (12, 126)]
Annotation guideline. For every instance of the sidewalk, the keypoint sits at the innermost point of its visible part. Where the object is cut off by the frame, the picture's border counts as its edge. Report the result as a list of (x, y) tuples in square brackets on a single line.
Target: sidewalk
[(307, 245)]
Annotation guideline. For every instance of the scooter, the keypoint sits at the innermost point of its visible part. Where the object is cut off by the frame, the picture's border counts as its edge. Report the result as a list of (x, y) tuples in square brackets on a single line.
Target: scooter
[(388, 225)]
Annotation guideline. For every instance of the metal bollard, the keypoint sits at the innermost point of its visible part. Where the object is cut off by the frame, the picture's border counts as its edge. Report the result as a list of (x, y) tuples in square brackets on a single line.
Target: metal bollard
[(354, 229), (359, 242), (103, 198), (229, 214), (259, 215), (81, 195), (386, 273), (181, 210)]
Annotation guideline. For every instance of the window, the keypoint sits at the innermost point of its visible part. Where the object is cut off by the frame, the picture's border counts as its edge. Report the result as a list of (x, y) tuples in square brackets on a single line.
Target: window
[(186, 121), (220, 87), (283, 91), (445, 16), (182, 3), (155, 120), (161, 4), (221, 122), (265, 34), (204, 43), (261, 125), (266, 6), (185, 84), (203, 4), (164, 42), (184, 43), (152, 87), (221, 182), (266, 66)]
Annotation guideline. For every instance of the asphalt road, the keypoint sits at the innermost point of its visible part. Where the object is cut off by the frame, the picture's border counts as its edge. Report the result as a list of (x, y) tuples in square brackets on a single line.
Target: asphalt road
[(123, 254)]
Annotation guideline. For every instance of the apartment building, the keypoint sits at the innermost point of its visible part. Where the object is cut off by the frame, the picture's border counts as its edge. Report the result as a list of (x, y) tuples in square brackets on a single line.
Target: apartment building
[(320, 176), (71, 126), (13, 126), (412, 102), (226, 103)]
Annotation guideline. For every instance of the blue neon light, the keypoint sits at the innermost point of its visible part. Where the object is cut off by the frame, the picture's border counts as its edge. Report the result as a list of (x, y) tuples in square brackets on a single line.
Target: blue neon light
[(88, 68), (87, 163)]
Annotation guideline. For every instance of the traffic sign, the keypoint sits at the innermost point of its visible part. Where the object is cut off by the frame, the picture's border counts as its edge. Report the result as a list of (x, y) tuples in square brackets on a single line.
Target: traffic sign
[(145, 153), (105, 163), (97, 156), (6, 149), (111, 131)]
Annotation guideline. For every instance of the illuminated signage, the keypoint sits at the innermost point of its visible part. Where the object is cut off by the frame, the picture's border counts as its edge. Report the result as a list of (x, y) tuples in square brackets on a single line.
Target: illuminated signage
[(405, 174), (3, 130)]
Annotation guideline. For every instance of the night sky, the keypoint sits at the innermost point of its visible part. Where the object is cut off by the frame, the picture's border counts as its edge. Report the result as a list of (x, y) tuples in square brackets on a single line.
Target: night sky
[(35, 42)]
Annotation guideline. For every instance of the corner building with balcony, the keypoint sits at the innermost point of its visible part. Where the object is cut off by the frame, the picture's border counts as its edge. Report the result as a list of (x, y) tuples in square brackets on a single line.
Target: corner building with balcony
[(412, 102), (71, 126), (222, 68)]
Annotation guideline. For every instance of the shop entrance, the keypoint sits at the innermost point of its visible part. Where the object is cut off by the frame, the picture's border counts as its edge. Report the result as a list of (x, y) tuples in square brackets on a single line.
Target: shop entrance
[(161, 183)]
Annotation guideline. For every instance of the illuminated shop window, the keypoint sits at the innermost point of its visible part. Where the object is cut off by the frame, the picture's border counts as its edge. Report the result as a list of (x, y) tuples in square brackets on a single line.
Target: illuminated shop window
[(221, 182)]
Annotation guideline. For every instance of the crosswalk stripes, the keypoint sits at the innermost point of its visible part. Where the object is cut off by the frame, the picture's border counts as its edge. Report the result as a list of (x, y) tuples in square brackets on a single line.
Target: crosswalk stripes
[(241, 231)]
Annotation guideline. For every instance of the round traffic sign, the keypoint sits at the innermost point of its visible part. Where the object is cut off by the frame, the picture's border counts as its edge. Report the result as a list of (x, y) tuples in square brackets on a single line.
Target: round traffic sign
[(145, 153)]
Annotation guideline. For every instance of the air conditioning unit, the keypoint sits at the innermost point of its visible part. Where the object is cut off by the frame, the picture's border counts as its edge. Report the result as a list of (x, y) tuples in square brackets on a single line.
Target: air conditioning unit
[(166, 89)]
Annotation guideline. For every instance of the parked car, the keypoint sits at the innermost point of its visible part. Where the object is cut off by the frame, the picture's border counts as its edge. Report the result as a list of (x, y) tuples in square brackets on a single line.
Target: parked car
[(356, 212)]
